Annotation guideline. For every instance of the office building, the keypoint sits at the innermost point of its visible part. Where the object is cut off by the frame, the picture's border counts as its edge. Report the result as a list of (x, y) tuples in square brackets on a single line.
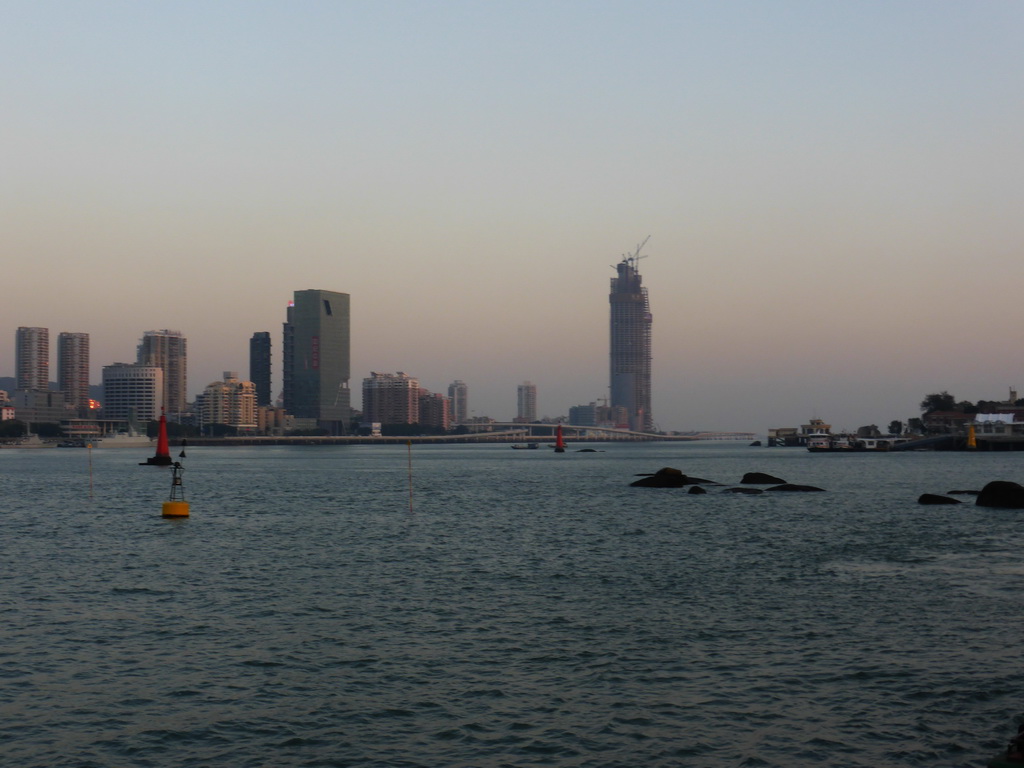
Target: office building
[(73, 370), (316, 359), (631, 344), (259, 366), (526, 407), (167, 350), (230, 402), (32, 359), (458, 397), (391, 398), (132, 392)]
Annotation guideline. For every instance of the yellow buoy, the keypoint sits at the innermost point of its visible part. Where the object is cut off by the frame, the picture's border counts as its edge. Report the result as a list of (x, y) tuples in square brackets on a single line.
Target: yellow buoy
[(176, 506), (175, 509)]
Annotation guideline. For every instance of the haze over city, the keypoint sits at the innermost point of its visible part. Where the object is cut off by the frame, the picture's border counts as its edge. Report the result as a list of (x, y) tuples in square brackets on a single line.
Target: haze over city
[(832, 192)]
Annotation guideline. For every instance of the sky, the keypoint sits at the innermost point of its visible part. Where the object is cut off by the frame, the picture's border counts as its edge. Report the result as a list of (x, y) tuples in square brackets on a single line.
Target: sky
[(832, 192)]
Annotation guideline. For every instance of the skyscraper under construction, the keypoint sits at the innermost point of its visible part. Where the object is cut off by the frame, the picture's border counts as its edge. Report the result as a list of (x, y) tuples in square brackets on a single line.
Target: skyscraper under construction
[(631, 344)]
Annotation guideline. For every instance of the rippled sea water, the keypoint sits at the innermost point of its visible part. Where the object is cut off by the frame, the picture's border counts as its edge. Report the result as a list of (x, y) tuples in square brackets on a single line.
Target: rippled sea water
[(530, 610)]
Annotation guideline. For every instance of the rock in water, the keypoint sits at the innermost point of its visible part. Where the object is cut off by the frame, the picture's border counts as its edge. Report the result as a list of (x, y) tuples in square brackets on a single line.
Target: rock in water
[(933, 498), (666, 477), (760, 478), (795, 488), (696, 489), (1003, 494)]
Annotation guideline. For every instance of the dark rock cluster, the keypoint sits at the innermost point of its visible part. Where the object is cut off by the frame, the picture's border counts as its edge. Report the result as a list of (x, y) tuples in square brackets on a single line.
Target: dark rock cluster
[(669, 477)]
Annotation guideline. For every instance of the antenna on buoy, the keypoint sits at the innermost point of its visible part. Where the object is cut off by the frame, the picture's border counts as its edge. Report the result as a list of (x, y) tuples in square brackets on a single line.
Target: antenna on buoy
[(176, 506)]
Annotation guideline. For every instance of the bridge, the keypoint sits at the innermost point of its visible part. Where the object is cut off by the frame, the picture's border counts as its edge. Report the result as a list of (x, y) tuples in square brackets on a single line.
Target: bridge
[(500, 432)]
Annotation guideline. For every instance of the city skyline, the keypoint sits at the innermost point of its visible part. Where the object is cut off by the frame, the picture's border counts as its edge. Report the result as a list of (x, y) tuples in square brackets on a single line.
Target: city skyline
[(832, 192)]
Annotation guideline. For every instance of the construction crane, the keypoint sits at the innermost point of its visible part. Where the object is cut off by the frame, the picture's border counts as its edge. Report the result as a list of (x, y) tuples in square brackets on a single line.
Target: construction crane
[(634, 256)]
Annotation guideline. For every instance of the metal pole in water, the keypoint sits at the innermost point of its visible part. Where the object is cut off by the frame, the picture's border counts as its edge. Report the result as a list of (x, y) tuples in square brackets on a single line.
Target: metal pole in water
[(408, 444)]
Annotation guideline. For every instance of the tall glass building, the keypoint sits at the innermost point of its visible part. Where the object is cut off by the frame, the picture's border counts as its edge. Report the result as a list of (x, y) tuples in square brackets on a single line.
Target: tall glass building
[(316, 366), (259, 366), (631, 345)]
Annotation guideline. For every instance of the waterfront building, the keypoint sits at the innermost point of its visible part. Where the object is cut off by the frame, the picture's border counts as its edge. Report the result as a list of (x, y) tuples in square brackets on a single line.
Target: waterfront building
[(259, 366), (231, 402), (391, 398), (32, 358), (35, 406), (167, 350), (132, 391), (317, 359), (435, 410), (630, 349), (273, 421), (526, 402), (73, 369), (583, 415), (458, 396)]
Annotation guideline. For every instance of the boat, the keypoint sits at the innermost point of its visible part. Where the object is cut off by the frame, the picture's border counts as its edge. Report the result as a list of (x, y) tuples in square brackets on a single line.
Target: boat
[(559, 442), (31, 440), (128, 439), (525, 447), (852, 444)]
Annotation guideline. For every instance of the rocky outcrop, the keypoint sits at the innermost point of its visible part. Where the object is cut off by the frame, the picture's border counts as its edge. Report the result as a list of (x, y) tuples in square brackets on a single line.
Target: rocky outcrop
[(742, 490), (666, 477), (934, 498), (669, 477), (760, 478), (1003, 494), (696, 489), (796, 488)]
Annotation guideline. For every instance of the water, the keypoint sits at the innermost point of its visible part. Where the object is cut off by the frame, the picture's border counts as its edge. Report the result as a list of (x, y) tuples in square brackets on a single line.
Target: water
[(531, 610)]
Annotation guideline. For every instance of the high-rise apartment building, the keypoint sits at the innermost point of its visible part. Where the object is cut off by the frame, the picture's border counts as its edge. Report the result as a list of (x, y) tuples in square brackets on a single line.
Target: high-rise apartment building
[(132, 391), (526, 402), (435, 410), (230, 402), (167, 350), (391, 398), (316, 359), (458, 397), (32, 358), (259, 366), (631, 344), (73, 369)]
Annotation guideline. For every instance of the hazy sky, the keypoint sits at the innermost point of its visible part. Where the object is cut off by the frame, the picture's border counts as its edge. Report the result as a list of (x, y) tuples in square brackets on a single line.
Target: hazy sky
[(833, 192)]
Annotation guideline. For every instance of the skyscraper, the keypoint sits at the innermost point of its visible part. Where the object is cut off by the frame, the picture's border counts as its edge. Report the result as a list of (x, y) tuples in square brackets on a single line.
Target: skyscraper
[(458, 395), (316, 359), (32, 358), (167, 350), (259, 366), (631, 344), (526, 402), (73, 369)]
